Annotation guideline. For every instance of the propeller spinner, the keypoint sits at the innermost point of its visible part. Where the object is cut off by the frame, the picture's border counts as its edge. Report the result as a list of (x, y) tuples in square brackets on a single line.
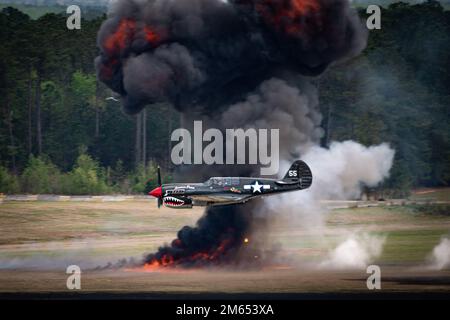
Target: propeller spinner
[(157, 192)]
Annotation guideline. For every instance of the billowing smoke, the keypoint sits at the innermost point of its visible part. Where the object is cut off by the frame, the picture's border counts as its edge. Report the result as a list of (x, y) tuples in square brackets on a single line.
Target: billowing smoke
[(440, 257), (240, 64), (215, 240), (355, 252), (340, 172), (207, 54), (290, 105)]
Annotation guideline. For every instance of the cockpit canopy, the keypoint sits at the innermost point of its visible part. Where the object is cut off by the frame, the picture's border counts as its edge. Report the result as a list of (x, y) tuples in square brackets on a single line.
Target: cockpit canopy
[(223, 181)]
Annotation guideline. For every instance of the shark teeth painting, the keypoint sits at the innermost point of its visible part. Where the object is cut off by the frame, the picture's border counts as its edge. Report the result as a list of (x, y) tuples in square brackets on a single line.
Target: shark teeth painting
[(173, 202)]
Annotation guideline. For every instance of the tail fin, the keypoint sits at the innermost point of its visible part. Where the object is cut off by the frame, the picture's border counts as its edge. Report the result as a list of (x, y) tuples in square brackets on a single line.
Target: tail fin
[(299, 172)]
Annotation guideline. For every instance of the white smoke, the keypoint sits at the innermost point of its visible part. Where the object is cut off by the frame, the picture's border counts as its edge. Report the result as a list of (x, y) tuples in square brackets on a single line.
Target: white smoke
[(339, 172), (57, 255), (356, 252), (440, 257)]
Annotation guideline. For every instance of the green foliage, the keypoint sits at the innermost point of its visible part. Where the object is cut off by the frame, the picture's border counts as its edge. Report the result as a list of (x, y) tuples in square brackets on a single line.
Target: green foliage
[(144, 179), (37, 11), (118, 178), (40, 176), (85, 178), (396, 91), (83, 86), (8, 182)]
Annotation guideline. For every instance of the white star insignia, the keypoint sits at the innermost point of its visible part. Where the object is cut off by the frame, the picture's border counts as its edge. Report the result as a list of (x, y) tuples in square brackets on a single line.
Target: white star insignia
[(256, 187)]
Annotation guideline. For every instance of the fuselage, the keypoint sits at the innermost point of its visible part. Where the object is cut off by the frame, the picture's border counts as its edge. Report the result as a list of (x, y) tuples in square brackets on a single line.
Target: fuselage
[(230, 190), (220, 191)]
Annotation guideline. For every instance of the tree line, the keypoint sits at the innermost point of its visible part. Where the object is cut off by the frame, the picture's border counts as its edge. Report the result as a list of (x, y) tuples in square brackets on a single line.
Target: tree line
[(62, 132)]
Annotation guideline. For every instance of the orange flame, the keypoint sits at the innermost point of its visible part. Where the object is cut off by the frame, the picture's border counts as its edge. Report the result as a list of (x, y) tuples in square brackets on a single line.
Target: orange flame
[(125, 33), (119, 39), (155, 264), (168, 261), (151, 36), (287, 15)]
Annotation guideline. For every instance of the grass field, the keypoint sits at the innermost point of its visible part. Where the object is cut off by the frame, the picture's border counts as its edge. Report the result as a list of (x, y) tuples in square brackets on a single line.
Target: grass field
[(434, 194), (39, 239), (93, 230)]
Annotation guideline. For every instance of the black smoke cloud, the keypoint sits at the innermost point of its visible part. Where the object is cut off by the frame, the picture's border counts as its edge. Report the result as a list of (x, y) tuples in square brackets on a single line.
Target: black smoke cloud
[(205, 54), (241, 63), (216, 240)]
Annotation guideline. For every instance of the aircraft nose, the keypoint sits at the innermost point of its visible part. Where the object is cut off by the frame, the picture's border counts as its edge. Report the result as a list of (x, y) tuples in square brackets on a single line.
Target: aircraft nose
[(157, 192)]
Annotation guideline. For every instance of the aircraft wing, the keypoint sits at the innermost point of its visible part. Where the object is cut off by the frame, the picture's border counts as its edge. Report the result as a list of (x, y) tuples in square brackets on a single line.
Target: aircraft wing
[(221, 198)]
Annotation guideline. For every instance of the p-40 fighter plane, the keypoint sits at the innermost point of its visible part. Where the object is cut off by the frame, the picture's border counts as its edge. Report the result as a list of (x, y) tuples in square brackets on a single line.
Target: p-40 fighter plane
[(230, 190)]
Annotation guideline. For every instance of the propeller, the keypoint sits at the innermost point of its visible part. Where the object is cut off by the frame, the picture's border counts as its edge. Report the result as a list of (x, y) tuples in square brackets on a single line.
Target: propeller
[(157, 192), (159, 176), (160, 185)]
